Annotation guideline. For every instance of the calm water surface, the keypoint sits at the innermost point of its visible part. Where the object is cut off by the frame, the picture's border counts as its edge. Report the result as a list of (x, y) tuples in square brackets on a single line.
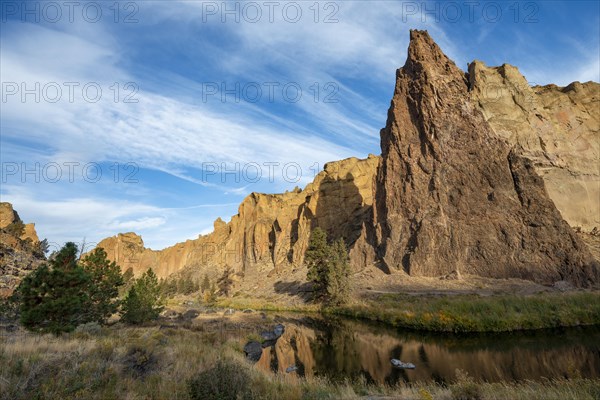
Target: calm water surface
[(343, 349)]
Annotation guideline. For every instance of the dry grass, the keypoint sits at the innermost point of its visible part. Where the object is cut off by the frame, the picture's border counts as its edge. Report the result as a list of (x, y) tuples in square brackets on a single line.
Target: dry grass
[(473, 313), (456, 313), (153, 363)]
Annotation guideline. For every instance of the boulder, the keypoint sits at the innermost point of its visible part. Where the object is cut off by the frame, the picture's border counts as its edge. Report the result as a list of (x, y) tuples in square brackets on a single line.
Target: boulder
[(253, 351)]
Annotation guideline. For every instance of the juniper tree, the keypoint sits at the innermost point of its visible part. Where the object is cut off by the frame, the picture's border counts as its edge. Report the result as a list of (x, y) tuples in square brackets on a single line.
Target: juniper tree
[(104, 289), (225, 282), (55, 297), (328, 268), (143, 302), (205, 284)]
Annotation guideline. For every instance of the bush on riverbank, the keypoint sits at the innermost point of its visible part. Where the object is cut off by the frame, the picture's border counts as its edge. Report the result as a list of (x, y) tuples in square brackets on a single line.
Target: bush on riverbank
[(458, 313), (479, 314)]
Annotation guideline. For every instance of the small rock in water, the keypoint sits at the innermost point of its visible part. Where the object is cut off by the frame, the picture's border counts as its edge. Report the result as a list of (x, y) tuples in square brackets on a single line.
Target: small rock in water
[(279, 329), (291, 368), (399, 364)]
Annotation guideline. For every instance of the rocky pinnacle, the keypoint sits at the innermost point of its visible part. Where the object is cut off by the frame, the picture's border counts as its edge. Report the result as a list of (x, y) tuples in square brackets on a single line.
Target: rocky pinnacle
[(453, 197)]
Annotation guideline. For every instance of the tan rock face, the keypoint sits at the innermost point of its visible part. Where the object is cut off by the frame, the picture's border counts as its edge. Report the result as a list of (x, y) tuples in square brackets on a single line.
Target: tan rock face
[(557, 128), (8, 215), (453, 196), (18, 255), (270, 232)]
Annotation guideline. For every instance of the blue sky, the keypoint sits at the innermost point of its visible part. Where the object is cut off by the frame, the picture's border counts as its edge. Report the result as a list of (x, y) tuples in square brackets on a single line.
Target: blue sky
[(160, 116)]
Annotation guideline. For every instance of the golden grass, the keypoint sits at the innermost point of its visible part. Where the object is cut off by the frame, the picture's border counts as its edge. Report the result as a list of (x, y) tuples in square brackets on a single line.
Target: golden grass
[(152, 363), (458, 313)]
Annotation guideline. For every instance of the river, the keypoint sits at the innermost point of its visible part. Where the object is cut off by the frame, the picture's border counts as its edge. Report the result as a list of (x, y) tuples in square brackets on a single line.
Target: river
[(341, 349)]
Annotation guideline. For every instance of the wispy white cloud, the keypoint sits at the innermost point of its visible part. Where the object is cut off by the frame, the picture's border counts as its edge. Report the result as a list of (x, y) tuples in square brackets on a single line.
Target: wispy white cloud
[(157, 131)]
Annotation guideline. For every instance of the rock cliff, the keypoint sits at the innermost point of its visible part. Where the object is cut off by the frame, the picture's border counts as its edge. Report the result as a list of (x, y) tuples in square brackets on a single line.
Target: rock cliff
[(270, 232), (475, 172), (19, 252), (9, 216), (557, 128), (452, 196)]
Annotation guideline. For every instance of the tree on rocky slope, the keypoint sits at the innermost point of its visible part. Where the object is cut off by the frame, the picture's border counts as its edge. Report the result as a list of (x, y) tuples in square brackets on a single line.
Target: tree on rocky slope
[(338, 273), (205, 284), (328, 268), (68, 292), (54, 298), (210, 295), (143, 302), (225, 282), (106, 279)]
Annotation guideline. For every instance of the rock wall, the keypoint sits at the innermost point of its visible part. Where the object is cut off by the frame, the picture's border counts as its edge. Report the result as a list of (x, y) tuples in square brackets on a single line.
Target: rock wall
[(557, 128), (454, 197), (270, 232), (18, 255), (8, 215)]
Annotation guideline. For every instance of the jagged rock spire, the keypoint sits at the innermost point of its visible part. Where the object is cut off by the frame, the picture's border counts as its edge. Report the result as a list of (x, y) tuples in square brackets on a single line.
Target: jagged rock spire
[(453, 197)]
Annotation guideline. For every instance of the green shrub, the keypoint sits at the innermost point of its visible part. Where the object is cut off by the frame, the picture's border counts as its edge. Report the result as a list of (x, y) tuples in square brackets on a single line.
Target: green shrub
[(89, 329), (16, 229), (225, 381), (465, 387), (140, 360)]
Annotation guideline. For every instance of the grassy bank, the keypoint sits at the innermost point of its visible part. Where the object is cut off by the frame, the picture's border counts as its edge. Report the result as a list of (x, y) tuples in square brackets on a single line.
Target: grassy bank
[(152, 363), (459, 313)]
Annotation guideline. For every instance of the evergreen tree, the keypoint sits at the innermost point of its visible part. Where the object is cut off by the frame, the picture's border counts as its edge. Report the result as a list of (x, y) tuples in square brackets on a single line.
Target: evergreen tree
[(42, 247), (210, 295), (168, 287), (205, 284), (328, 268), (189, 286), (143, 302), (55, 297), (104, 289), (316, 259), (225, 282), (127, 282), (338, 274)]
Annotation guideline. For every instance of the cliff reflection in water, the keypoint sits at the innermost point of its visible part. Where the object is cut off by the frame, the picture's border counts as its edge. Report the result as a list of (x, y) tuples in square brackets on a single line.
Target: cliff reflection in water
[(343, 349)]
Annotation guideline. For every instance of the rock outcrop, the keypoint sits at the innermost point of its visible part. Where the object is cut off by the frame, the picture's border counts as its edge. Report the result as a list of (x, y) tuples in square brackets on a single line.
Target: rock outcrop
[(557, 128), (453, 196), (19, 251), (270, 232), (9, 216), (475, 168)]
